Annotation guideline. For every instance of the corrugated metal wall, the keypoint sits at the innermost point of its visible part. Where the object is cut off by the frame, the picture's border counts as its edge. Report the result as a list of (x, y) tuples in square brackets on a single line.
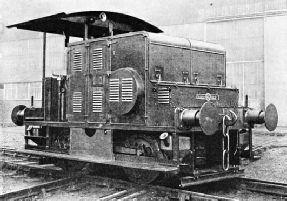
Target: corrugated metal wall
[(275, 64), (21, 70), (243, 40)]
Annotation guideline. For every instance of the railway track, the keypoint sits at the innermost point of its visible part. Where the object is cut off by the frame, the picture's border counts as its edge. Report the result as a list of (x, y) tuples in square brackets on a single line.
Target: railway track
[(267, 144), (67, 184), (256, 185), (102, 188), (53, 183)]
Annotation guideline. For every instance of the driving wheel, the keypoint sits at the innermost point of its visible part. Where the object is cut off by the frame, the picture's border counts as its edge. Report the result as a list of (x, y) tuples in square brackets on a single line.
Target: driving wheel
[(148, 147)]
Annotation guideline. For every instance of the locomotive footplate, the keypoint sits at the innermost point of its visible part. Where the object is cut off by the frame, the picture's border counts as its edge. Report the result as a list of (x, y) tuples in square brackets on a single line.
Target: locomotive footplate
[(173, 170)]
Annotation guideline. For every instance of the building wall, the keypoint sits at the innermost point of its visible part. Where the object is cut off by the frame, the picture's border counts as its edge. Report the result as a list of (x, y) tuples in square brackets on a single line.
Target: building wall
[(275, 64), (22, 70), (243, 41), (256, 58)]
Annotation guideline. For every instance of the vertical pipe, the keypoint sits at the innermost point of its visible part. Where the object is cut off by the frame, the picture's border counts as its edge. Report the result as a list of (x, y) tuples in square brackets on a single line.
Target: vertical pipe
[(59, 79), (246, 101), (64, 104), (44, 67), (249, 130)]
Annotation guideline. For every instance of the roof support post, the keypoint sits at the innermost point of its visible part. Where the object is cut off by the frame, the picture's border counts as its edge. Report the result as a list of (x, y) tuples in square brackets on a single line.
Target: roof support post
[(111, 31), (86, 31), (67, 39), (44, 67)]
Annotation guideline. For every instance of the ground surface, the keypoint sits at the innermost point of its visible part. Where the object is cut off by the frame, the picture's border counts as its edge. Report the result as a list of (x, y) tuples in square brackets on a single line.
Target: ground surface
[(272, 165)]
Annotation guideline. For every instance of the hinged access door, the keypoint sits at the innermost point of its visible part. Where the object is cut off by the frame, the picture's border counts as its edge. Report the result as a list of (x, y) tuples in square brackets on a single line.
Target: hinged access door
[(98, 62), (208, 68), (126, 83), (77, 71)]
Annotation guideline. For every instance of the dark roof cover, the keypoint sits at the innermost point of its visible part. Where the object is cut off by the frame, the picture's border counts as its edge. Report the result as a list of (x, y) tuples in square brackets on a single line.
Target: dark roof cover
[(73, 24)]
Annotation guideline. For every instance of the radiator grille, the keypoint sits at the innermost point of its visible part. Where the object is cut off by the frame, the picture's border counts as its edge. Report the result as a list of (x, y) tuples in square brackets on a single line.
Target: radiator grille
[(127, 89), (114, 95), (163, 95), (97, 58), (77, 61), (77, 102), (97, 101)]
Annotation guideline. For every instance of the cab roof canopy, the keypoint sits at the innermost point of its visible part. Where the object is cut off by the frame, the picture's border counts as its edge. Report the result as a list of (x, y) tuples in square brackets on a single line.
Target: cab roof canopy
[(87, 24)]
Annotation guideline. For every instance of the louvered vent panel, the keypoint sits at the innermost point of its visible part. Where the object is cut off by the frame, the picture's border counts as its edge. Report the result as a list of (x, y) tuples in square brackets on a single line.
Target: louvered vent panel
[(163, 95), (114, 90), (77, 102), (127, 89), (98, 58), (77, 61), (97, 101)]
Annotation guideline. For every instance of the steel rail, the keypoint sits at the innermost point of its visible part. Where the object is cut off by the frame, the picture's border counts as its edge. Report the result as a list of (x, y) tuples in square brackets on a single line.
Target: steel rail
[(263, 186), (37, 189)]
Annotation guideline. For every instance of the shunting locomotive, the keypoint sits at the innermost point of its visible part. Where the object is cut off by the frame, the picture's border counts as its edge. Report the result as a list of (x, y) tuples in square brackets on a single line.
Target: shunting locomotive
[(137, 99)]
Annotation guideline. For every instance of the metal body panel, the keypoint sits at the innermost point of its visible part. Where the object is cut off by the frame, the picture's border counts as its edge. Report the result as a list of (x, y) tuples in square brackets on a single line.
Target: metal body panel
[(166, 65), (77, 82), (185, 43), (128, 51), (99, 145), (171, 61), (98, 66), (92, 81), (177, 68), (51, 106), (195, 97), (162, 114), (208, 68)]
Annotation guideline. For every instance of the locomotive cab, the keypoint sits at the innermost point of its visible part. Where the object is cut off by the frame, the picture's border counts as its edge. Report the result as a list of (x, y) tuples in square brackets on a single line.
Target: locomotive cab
[(152, 104)]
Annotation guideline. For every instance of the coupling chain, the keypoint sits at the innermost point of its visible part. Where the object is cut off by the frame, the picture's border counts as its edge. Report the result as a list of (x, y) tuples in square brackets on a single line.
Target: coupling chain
[(225, 147)]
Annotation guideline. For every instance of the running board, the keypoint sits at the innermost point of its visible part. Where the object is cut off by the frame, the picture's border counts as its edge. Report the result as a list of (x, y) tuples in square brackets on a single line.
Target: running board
[(154, 166)]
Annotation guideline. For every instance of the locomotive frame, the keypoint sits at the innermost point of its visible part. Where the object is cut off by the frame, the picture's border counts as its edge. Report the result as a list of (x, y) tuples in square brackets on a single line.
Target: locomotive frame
[(149, 103)]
